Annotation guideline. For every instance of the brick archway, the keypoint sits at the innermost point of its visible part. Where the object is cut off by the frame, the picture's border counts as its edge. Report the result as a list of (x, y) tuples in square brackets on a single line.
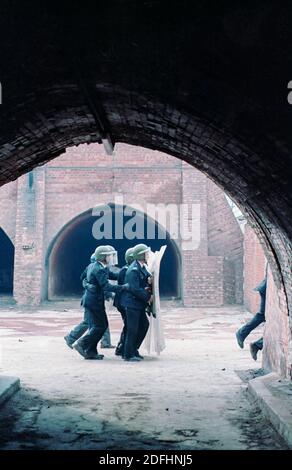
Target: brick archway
[(227, 165), (69, 253), (214, 95), (6, 264)]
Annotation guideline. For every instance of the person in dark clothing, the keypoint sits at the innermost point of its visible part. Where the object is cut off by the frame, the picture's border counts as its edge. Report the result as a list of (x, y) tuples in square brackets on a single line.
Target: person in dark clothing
[(83, 326), (135, 301), (119, 302), (96, 285), (258, 318)]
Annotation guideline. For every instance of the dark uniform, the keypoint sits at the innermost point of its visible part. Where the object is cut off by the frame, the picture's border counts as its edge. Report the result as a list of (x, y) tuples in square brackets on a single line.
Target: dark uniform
[(135, 301), (96, 284), (82, 327), (119, 301)]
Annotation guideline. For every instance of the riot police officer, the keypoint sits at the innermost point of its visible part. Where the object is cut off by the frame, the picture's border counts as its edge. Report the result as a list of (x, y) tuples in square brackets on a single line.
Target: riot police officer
[(135, 301), (83, 326), (119, 301), (96, 284)]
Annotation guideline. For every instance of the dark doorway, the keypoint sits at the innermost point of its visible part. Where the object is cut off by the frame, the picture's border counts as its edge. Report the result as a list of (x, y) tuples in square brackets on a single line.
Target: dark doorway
[(6, 264), (73, 247)]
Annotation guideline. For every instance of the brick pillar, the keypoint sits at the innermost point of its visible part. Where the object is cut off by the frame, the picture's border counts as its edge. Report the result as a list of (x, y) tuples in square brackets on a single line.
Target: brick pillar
[(194, 209), (29, 238), (277, 334), (202, 274)]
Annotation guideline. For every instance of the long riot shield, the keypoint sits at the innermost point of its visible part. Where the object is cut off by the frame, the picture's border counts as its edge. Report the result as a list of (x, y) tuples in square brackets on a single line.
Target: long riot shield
[(154, 340)]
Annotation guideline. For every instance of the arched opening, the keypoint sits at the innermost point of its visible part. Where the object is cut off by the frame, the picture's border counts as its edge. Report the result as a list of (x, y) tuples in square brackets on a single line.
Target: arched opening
[(71, 249), (6, 264), (186, 100)]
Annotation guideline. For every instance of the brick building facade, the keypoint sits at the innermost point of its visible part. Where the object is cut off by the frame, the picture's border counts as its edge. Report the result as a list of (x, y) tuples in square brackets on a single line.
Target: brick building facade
[(47, 215)]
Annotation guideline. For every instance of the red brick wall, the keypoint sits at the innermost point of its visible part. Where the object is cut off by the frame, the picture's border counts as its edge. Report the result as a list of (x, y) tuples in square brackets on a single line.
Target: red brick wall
[(203, 282), (229, 284), (85, 177), (254, 268), (194, 194), (225, 238), (29, 238), (203, 276)]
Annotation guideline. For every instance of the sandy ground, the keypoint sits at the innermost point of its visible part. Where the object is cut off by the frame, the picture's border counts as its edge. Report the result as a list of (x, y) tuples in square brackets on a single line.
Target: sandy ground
[(193, 396)]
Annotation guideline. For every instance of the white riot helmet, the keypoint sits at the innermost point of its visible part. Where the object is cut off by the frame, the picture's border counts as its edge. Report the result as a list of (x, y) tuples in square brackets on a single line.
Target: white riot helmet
[(107, 254)]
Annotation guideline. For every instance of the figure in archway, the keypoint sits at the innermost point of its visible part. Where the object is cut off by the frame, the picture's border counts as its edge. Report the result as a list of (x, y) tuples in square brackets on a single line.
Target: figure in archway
[(83, 326), (66, 256), (96, 285), (136, 300), (119, 302)]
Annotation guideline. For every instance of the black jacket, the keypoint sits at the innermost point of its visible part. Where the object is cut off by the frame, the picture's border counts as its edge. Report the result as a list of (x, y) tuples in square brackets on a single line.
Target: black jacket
[(137, 278), (119, 297), (97, 283)]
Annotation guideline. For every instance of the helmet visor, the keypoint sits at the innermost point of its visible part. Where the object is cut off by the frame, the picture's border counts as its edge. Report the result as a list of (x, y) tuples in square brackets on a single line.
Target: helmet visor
[(147, 255), (112, 259)]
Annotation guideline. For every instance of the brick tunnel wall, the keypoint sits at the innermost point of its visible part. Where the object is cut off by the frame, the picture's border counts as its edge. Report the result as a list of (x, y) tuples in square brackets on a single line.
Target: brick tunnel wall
[(254, 268), (277, 333)]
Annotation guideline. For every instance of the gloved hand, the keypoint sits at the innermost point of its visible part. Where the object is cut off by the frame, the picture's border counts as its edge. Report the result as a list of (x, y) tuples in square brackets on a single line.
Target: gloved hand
[(150, 280), (149, 311)]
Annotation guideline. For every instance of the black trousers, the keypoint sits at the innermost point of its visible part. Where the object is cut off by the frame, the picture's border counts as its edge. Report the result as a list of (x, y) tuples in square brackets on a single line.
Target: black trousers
[(98, 323), (137, 327), (121, 344)]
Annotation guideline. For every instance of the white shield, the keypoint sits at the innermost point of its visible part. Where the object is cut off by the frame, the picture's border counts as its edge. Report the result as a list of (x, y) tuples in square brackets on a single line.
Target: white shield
[(154, 340)]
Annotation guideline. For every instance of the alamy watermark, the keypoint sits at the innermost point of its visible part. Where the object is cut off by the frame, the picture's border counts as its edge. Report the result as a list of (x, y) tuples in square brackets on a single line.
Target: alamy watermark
[(119, 221)]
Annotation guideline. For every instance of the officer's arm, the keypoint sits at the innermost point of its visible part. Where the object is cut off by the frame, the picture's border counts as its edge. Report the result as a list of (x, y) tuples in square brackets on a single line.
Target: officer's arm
[(135, 288), (122, 275), (106, 286), (114, 276)]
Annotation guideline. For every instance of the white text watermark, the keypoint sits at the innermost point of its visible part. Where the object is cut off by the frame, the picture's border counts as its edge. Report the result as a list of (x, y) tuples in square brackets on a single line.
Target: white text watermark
[(117, 221)]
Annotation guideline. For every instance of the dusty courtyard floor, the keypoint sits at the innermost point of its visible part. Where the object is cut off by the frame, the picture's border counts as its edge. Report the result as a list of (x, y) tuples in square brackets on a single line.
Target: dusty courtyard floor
[(191, 397)]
